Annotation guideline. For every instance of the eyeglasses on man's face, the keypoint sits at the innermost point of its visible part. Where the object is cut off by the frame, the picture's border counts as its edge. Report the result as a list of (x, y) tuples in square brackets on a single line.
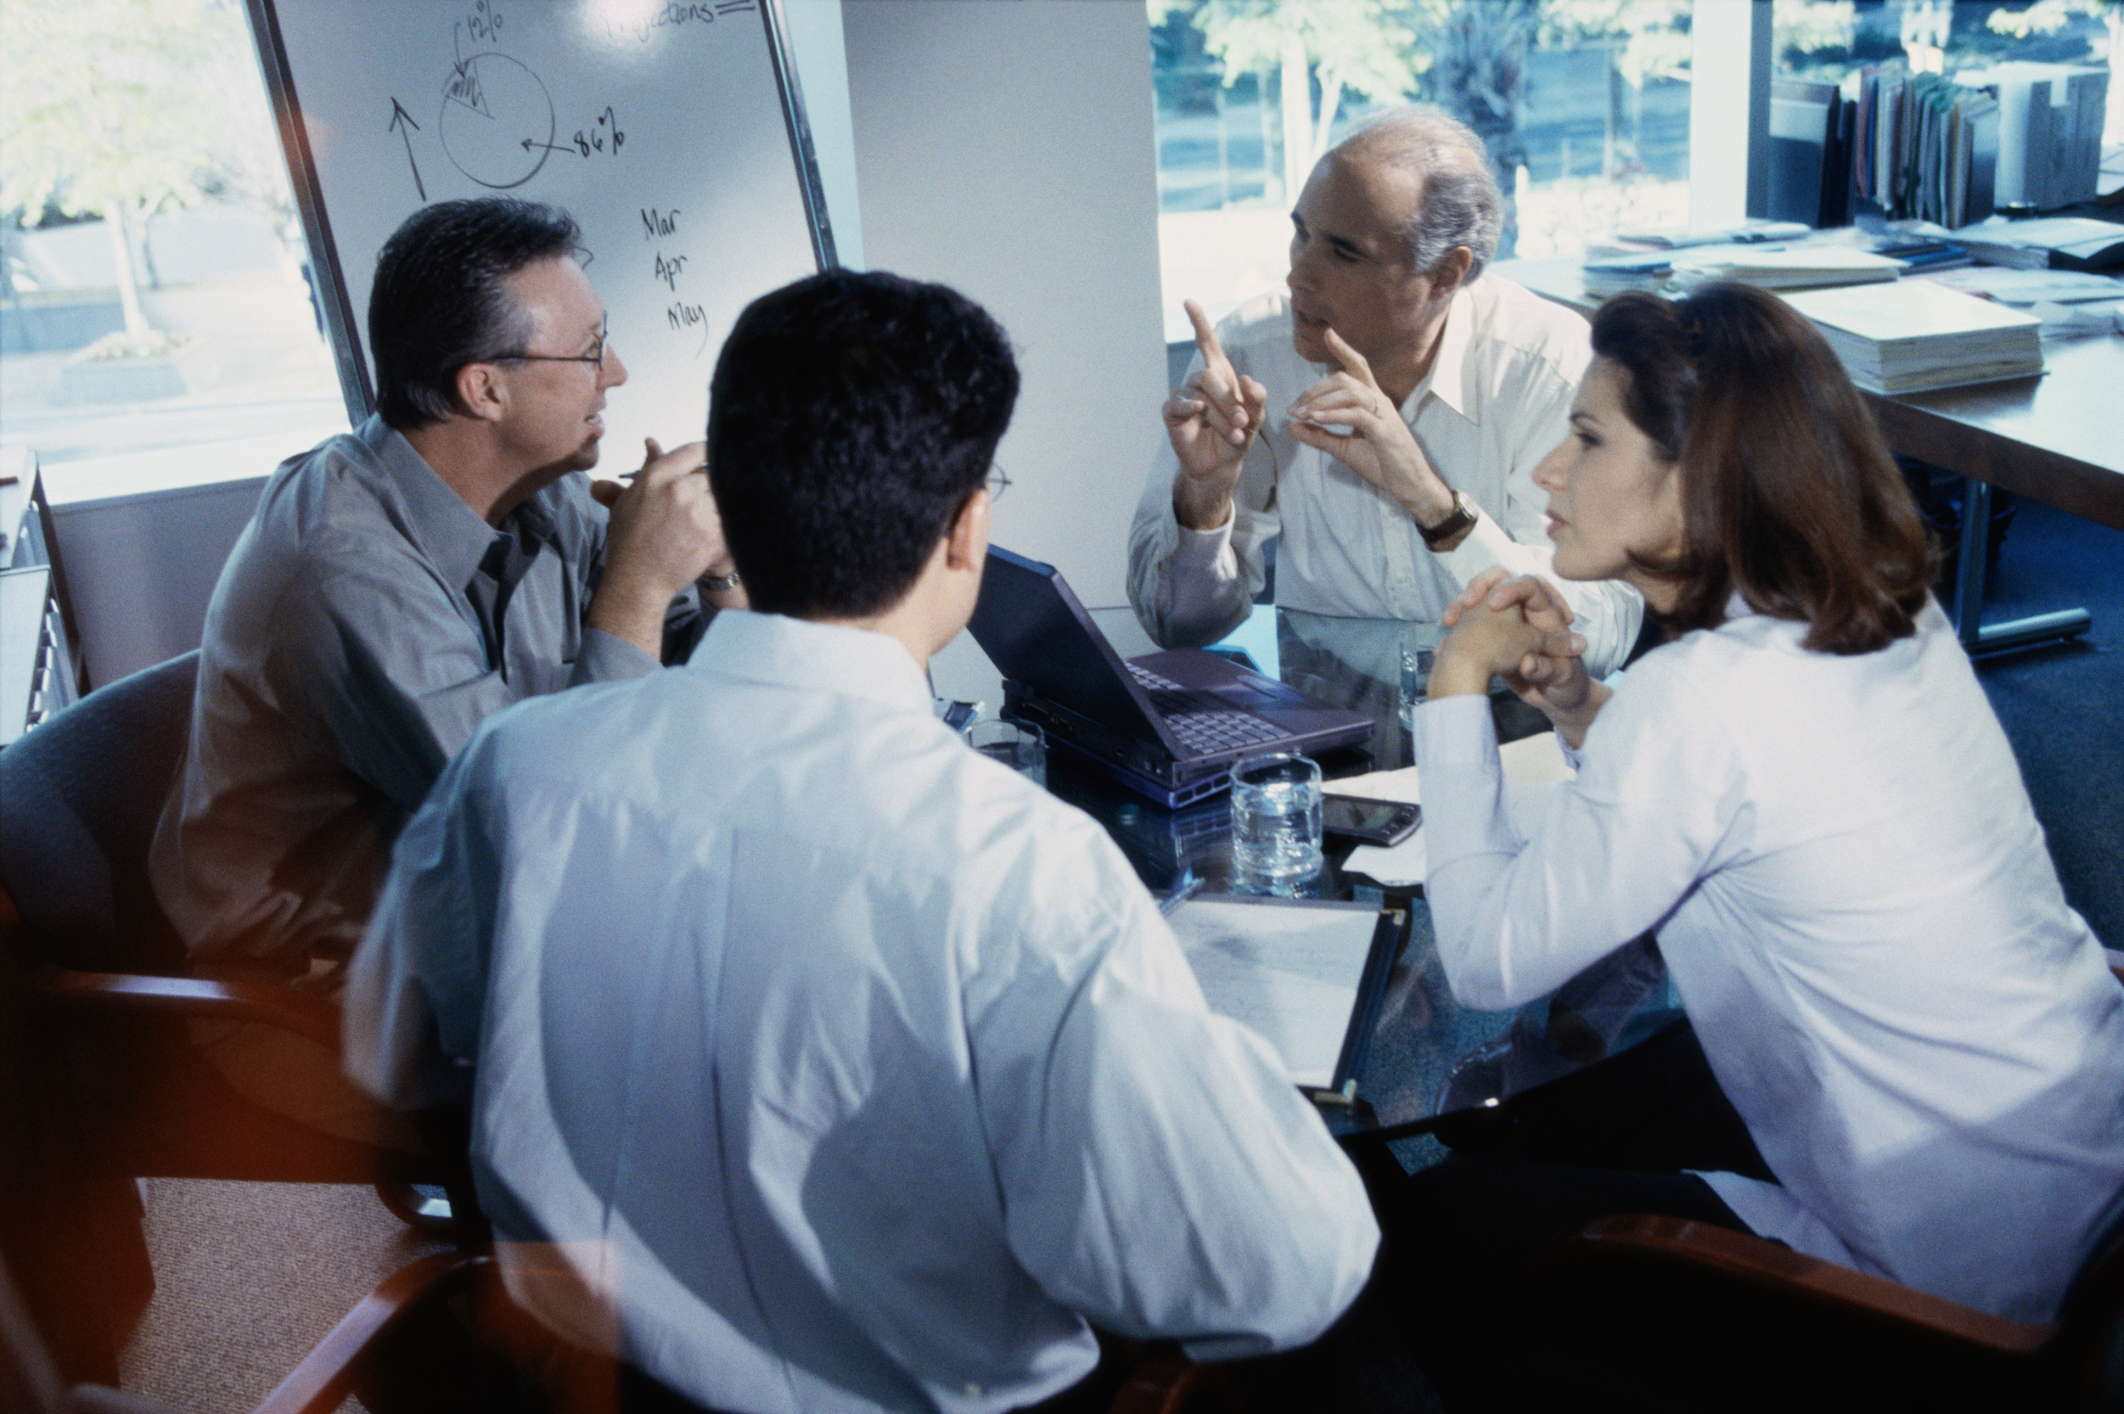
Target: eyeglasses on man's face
[(998, 481), (595, 357)]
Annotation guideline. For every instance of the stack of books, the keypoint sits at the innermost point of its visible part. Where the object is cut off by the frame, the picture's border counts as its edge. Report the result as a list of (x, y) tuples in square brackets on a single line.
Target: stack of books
[(1914, 334)]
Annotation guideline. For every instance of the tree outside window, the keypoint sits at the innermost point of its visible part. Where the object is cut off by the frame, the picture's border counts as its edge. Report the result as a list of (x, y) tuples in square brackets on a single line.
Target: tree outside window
[(1582, 104)]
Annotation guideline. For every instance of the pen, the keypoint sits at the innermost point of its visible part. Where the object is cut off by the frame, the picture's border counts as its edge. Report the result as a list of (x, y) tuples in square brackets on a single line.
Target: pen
[(1179, 896)]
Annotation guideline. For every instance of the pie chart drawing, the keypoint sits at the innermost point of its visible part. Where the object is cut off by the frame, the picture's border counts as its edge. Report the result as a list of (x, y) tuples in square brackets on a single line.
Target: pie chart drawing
[(497, 121)]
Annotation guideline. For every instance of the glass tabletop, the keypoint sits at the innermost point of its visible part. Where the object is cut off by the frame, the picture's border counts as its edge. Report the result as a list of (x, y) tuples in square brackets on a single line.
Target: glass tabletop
[(1426, 1055)]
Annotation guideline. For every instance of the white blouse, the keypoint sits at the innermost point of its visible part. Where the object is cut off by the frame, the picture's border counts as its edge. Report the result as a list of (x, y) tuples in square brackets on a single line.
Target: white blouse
[(1856, 905)]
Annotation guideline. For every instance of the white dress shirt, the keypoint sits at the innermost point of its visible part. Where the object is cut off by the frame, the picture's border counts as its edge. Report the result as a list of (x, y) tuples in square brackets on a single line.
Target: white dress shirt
[(1855, 903), (862, 1069), (1496, 401)]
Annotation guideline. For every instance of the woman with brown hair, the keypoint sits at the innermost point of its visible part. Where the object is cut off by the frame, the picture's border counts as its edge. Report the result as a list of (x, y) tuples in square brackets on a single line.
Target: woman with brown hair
[(1805, 793)]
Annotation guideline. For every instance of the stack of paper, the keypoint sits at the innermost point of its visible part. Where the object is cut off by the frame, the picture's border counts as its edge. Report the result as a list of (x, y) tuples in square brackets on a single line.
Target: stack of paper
[(1915, 334), (2053, 243), (1606, 274), (1710, 235), (1791, 267)]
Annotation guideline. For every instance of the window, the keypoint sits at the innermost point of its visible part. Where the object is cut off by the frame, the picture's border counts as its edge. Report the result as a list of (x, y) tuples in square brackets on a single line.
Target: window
[(1584, 104), (154, 294)]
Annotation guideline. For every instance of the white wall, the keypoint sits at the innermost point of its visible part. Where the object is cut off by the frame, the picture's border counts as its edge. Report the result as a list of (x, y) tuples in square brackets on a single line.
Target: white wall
[(1006, 149)]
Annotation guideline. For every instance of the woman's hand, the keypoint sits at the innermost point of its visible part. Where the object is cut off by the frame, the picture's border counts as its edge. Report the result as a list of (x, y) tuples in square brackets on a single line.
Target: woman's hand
[(1547, 671)]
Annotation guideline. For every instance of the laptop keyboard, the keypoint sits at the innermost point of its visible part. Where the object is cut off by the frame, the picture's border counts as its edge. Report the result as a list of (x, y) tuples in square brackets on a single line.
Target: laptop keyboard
[(1204, 731), (1152, 682)]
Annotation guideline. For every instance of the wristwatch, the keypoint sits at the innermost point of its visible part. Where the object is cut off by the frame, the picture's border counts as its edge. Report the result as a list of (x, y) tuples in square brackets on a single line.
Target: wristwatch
[(718, 583), (1448, 533)]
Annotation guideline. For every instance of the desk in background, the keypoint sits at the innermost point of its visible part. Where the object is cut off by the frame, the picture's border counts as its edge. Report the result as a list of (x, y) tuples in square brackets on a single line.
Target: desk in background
[(2057, 439)]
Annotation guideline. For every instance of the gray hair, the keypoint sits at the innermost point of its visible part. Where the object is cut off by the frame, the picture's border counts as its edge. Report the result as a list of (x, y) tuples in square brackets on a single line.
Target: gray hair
[(1461, 204)]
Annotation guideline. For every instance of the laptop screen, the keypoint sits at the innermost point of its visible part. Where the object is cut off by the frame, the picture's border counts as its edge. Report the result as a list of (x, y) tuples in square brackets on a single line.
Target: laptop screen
[(1030, 624)]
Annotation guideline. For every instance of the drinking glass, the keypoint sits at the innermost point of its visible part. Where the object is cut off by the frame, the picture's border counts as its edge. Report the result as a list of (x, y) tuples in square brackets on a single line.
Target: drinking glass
[(1018, 745), (1419, 644), (1275, 822)]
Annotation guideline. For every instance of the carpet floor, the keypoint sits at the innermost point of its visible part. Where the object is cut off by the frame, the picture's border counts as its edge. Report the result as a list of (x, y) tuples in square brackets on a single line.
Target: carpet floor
[(248, 1277)]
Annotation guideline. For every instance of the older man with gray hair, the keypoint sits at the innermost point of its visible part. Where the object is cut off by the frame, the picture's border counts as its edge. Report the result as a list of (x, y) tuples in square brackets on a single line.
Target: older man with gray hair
[(1384, 418)]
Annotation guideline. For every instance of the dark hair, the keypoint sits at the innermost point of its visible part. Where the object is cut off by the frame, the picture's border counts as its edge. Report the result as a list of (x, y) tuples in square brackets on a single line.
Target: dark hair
[(438, 303), (851, 417), (1788, 493)]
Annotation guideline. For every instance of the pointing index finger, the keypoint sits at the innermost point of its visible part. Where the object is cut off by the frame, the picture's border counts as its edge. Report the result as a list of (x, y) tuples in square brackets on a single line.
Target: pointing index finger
[(1205, 333), (1353, 362)]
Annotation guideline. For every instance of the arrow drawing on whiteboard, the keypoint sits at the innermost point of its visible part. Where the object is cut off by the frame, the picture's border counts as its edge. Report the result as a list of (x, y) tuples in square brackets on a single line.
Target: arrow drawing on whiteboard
[(400, 121), (531, 144)]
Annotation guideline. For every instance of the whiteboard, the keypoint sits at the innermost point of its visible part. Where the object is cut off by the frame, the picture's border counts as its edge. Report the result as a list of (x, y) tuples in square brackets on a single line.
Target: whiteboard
[(672, 130)]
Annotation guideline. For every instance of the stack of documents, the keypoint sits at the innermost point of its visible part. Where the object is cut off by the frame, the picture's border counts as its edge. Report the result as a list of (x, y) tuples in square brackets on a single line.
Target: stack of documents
[(1915, 334), (1787, 267), (1746, 231), (2054, 243), (1606, 274)]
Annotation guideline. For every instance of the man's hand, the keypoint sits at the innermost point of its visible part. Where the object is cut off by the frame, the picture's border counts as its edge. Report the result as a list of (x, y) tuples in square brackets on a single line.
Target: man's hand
[(1378, 446), (1212, 420), (1549, 675), (664, 534)]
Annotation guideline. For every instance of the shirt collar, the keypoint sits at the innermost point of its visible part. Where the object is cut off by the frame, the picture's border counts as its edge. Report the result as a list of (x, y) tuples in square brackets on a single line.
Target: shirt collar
[(453, 536), (813, 657), (1448, 376)]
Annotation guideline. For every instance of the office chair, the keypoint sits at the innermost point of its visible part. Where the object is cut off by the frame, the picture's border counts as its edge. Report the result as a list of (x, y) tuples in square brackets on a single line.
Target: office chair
[(104, 969), (1760, 1326)]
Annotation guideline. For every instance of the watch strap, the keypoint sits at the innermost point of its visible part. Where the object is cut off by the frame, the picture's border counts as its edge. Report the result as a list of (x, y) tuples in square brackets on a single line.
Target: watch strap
[(1447, 533)]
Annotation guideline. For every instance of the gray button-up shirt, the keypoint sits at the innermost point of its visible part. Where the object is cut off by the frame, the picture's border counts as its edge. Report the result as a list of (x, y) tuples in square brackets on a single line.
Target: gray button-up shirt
[(365, 623)]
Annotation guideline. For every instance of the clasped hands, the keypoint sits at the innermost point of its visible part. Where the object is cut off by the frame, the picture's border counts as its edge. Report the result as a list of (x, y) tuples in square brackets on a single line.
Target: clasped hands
[(1214, 417), (1519, 630)]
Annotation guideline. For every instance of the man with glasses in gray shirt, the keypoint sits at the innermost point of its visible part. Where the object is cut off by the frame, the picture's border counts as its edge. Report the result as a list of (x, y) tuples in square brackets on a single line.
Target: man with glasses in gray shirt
[(398, 584)]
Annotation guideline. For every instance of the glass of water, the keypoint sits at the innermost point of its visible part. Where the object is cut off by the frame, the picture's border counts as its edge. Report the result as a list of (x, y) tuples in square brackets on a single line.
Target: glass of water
[(1018, 745), (1275, 822), (1419, 645)]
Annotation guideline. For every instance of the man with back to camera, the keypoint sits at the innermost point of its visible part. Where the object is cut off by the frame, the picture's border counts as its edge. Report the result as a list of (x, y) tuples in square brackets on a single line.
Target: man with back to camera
[(395, 586), (878, 1074), (1414, 397)]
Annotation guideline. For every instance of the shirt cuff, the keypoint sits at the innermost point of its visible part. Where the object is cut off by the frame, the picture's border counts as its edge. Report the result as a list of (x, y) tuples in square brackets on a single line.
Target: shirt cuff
[(1486, 546), (606, 657), (1203, 549)]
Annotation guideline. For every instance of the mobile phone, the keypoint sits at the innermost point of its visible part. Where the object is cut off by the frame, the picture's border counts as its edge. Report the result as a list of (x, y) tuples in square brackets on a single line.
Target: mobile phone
[(1370, 821)]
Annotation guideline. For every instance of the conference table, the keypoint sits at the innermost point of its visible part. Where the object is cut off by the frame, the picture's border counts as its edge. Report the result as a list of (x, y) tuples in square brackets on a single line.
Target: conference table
[(2057, 438), (1420, 1056)]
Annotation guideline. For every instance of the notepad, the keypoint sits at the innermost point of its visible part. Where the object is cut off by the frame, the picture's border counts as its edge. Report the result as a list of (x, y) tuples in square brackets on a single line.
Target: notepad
[(1916, 334), (1290, 971)]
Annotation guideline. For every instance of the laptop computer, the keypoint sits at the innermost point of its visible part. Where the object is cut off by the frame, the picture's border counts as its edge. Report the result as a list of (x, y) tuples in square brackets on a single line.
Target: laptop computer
[(1167, 725)]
